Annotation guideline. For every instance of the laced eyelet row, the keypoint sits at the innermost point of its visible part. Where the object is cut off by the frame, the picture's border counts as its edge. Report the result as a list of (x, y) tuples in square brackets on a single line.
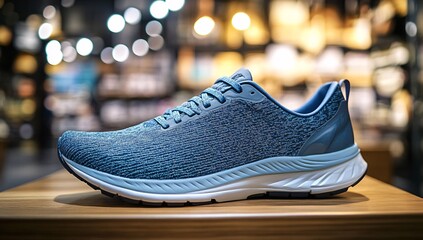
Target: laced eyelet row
[(191, 107)]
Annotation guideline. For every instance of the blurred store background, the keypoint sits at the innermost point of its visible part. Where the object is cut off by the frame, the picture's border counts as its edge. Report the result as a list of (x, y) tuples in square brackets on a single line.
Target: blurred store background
[(102, 65)]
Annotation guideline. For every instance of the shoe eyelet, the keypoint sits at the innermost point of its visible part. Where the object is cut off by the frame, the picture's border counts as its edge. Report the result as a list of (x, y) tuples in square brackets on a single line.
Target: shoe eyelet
[(252, 92)]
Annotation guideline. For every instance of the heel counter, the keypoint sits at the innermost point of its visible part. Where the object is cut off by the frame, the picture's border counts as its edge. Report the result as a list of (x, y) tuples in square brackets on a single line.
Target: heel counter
[(334, 135)]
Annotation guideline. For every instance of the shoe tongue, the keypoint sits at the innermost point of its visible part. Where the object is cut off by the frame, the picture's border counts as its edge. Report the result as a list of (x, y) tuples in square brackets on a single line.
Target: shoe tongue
[(242, 74)]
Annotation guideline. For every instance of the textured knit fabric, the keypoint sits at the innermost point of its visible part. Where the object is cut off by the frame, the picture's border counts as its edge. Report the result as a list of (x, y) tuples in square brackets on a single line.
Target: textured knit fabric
[(233, 135)]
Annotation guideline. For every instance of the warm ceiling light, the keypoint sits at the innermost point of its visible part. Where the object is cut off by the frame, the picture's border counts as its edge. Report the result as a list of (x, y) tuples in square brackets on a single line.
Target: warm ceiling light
[(204, 25), (241, 21)]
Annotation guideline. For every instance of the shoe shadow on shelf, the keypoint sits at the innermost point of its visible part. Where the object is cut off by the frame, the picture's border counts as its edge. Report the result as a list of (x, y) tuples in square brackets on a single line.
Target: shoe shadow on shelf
[(91, 198), (96, 199)]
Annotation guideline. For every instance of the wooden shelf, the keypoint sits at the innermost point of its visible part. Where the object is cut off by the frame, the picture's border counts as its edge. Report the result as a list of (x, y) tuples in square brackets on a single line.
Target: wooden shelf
[(61, 207)]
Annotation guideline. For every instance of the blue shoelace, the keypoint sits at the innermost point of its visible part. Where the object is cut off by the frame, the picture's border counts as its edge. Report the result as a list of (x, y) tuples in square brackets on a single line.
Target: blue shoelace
[(191, 107)]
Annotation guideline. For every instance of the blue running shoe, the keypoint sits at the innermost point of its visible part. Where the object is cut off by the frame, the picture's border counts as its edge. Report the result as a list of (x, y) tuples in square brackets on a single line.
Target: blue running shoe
[(231, 142)]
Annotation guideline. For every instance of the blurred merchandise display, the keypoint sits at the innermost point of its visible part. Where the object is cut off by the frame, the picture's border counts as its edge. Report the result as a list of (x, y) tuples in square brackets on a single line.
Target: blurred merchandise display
[(89, 65), (137, 93), (70, 88), (21, 77), (413, 165)]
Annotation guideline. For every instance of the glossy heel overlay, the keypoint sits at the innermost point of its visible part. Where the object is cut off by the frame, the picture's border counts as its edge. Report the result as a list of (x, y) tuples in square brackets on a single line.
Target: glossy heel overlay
[(335, 135)]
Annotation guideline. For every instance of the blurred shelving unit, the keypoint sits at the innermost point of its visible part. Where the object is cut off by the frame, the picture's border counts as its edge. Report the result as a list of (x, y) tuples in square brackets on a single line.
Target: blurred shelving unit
[(140, 92), (21, 80), (414, 29)]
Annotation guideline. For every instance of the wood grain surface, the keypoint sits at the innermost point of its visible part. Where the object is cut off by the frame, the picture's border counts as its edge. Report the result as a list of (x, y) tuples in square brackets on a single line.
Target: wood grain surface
[(60, 206)]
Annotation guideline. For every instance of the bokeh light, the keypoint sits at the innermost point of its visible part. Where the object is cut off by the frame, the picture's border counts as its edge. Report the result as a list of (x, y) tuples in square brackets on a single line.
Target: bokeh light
[(106, 55), (132, 15), (55, 58), (45, 30), (53, 46), (84, 46), (175, 5), (49, 12), (116, 23), (241, 21), (68, 3), (156, 42), (140, 47), (120, 53), (159, 10), (54, 52), (153, 28), (69, 54), (204, 26)]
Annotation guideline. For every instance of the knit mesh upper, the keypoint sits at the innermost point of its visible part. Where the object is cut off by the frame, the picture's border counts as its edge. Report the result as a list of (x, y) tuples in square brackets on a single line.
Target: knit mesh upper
[(236, 134)]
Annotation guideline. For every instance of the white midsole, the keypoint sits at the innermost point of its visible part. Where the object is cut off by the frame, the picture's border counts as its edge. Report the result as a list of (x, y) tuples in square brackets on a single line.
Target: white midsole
[(320, 181)]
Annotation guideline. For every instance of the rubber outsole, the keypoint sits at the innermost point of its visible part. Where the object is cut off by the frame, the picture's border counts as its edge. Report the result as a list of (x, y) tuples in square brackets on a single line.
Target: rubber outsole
[(267, 195)]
